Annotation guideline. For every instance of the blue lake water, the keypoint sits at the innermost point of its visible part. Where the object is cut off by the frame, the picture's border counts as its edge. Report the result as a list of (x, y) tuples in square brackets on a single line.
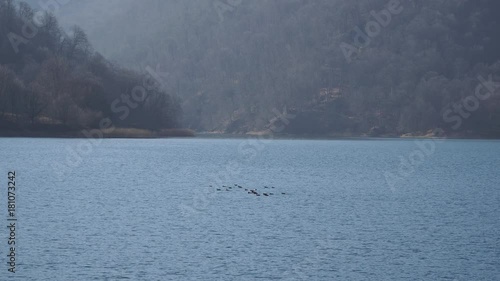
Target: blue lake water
[(144, 210)]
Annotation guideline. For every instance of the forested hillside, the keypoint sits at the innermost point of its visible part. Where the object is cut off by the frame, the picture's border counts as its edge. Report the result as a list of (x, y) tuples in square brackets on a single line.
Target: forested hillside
[(53, 81), (233, 62), (340, 67)]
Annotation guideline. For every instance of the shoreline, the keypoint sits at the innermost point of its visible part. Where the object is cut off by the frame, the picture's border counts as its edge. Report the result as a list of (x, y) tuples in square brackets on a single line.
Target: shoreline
[(326, 137), (118, 133), (127, 133)]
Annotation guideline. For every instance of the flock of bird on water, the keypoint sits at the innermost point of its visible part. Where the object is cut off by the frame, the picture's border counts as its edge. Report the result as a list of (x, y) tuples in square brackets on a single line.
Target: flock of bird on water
[(250, 191)]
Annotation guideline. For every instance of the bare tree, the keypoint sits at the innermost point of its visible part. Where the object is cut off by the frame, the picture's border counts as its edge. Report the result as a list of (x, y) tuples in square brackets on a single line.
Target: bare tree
[(25, 11), (34, 105), (10, 88), (4, 83), (78, 44), (54, 81), (7, 9), (50, 33)]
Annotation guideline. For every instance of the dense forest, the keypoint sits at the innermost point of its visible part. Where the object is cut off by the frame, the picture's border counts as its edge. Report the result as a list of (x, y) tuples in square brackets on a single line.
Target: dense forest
[(339, 67), (53, 82)]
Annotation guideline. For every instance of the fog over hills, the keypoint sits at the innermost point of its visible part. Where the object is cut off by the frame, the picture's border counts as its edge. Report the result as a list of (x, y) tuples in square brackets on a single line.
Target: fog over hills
[(90, 15), (54, 83), (338, 67)]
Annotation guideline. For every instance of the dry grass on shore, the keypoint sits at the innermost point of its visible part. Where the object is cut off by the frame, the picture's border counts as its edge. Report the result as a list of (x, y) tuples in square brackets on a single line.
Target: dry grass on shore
[(142, 133)]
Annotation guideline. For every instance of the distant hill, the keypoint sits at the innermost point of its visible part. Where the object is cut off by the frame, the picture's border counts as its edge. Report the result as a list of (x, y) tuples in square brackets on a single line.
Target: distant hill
[(52, 82), (341, 67)]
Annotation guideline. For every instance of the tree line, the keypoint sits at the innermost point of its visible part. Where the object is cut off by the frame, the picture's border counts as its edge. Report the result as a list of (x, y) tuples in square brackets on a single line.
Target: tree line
[(232, 67), (54, 80)]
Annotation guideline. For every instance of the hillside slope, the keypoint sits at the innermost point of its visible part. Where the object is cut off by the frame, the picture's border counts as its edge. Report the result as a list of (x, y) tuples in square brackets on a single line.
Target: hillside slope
[(54, 81), (234, 64)]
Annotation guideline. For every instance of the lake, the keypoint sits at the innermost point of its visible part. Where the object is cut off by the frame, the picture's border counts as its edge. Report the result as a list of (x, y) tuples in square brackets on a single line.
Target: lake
[(340, 210)]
